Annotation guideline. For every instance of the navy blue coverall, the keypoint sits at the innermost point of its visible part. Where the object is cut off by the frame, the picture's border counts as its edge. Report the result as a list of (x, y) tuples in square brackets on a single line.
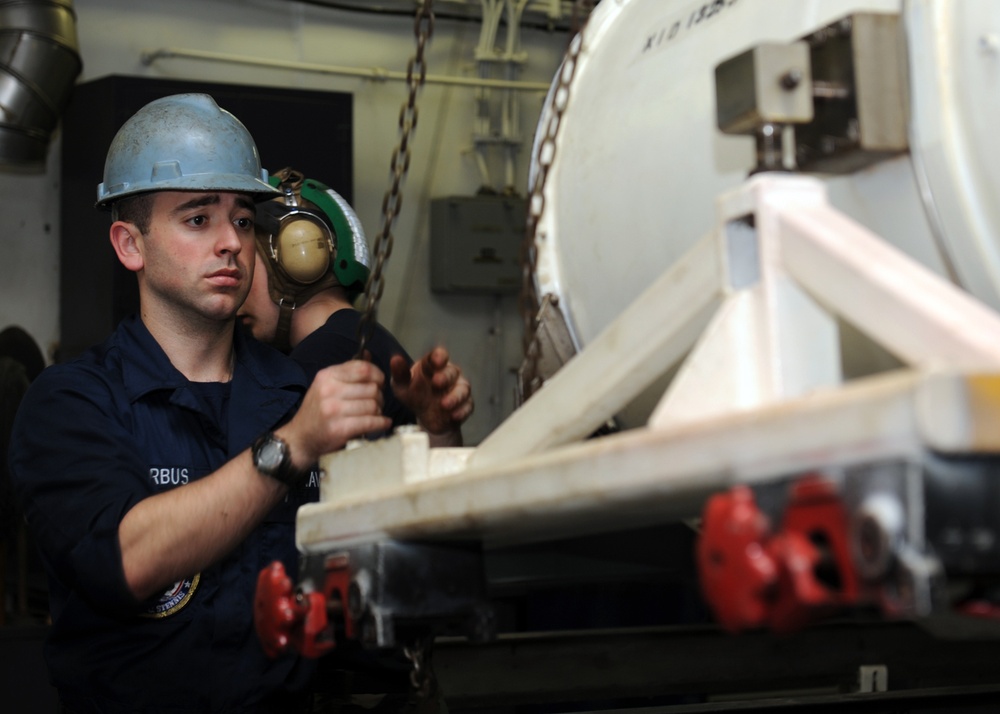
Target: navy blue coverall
[(95, 436)]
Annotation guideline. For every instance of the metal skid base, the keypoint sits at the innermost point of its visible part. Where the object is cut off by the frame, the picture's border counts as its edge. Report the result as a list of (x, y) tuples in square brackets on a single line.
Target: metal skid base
[(905, 538), (387, 594), (398, 592), (751, 317), (877, 494)]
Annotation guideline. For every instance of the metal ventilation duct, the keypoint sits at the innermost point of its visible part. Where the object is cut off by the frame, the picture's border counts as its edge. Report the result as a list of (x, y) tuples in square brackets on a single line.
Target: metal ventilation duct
[(39, 63)]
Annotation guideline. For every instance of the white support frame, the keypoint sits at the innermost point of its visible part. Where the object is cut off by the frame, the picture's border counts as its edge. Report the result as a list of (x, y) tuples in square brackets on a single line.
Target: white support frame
[(759, 395)]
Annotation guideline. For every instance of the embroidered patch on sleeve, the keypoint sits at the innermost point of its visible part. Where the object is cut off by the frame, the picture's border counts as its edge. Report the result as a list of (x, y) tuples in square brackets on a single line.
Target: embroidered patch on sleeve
[(174, 599)]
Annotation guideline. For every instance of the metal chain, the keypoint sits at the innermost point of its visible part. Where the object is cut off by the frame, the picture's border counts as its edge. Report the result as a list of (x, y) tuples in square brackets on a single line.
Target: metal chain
[(422, 678), (416, 73), (529, 298)]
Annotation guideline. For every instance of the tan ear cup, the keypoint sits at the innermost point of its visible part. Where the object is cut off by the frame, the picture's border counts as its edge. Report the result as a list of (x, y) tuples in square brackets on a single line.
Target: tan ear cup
[(303, 250)]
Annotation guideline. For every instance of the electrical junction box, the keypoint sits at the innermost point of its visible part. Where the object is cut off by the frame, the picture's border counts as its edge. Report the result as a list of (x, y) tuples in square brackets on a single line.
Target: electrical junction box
[(476, 244)]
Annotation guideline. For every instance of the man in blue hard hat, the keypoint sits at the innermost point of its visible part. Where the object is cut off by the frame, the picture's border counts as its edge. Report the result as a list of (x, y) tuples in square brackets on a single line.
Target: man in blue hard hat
[(154, 469)]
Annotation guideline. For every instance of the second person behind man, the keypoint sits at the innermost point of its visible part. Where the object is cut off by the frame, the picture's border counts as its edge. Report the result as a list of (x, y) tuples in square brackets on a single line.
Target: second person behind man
[(312, 262)]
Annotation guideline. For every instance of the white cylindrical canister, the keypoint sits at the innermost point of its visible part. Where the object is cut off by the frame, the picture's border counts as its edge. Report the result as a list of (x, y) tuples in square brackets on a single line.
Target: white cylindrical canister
[(640, 160)]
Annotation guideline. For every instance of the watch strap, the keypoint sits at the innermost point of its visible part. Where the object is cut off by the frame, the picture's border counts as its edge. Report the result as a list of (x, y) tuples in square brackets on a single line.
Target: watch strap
[(283, 471)]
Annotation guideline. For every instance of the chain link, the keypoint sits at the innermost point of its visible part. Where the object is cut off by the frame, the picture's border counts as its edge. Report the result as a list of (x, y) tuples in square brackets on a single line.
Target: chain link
[(422, 678), (530, 301), (416, 73)]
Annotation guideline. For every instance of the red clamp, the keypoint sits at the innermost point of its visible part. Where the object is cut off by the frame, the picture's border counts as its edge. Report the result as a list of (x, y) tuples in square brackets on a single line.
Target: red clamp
[(285, 619), (737, 573), (755, 577)]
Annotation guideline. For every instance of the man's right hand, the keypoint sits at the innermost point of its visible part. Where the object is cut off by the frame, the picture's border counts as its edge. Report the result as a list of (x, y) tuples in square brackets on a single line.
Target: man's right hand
[(344, 402), (184, 530)]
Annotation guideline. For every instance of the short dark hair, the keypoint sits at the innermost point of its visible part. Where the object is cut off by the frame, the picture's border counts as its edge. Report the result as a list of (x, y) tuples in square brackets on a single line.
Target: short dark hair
[(137, 209)]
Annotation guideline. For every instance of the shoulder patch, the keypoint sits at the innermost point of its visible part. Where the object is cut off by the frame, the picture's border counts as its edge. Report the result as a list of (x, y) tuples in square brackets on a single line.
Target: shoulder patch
[(175, 598)]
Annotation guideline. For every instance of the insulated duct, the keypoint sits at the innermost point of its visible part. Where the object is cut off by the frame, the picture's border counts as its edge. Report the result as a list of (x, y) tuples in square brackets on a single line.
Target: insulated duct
[(39, 63)]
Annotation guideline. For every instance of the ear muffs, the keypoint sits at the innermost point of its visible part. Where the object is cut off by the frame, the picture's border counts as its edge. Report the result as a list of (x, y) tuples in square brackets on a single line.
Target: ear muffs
[(300, 243), (305, 246)]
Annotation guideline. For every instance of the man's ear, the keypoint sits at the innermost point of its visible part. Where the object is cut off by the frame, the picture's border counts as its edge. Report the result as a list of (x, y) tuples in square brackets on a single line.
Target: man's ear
[(125, 239)]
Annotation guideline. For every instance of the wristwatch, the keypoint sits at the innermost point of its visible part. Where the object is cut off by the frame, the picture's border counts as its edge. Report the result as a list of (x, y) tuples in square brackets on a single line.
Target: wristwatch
[(273, 458)]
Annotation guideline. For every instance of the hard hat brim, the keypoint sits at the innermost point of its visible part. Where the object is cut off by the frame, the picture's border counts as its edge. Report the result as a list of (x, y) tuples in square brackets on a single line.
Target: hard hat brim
[(259, 189)]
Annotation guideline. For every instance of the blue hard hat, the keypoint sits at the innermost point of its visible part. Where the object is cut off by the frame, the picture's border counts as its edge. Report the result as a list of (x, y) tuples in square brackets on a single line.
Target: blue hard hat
[(184, 142)]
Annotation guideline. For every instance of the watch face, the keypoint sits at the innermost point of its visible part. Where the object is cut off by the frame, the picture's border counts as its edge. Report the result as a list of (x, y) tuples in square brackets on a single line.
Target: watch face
[(270, 455)]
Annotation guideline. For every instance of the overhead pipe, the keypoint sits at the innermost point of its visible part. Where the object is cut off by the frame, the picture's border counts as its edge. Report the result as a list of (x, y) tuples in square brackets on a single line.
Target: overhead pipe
[(148, 57), (39, 64)]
